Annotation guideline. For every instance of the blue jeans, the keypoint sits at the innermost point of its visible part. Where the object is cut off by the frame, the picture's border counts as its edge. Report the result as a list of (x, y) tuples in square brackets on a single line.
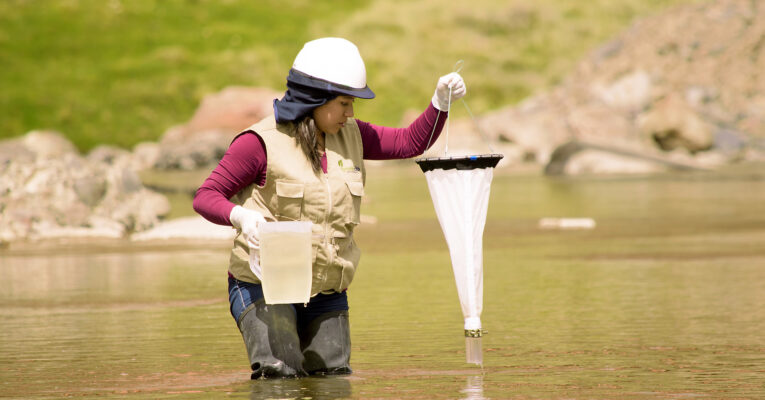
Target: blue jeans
[(242, 294)]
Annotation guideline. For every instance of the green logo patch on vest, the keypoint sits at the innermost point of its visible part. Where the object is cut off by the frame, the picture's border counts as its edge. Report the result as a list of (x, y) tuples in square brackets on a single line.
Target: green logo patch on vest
[(348, 166)]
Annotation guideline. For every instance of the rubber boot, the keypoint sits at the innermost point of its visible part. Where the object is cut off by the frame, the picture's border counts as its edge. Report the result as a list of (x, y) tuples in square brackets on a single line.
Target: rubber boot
[(326, 344), (271, 339)]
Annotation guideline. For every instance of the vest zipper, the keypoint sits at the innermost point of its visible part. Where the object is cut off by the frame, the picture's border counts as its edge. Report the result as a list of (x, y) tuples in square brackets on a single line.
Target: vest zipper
[(330, 259)]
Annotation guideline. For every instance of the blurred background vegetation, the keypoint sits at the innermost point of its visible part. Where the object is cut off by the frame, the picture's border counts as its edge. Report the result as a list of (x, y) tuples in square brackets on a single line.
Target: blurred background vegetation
[(121, 72)]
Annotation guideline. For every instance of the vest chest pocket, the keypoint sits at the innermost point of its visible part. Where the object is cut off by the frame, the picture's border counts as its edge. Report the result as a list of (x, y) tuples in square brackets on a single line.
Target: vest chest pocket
[(289, 200), (356, 187)]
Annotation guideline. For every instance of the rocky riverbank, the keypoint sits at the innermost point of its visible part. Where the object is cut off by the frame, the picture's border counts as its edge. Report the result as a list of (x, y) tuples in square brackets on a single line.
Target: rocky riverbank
[(49, 190), (684, 88)]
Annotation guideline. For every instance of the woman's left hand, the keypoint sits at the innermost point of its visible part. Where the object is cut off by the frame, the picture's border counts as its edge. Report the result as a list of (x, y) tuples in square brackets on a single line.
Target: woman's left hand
[(453, 82)]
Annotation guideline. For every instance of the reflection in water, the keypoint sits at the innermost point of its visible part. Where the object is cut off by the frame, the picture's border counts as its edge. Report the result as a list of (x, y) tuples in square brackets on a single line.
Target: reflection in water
[(657, 298), (473, 388), (330, 387)]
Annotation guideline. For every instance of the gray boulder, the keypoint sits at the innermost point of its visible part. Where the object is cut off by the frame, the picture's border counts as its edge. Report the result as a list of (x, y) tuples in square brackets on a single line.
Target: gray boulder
[(49, 190)]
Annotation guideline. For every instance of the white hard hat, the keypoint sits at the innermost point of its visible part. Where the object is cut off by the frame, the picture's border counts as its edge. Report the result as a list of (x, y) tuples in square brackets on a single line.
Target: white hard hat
[(336, 61)]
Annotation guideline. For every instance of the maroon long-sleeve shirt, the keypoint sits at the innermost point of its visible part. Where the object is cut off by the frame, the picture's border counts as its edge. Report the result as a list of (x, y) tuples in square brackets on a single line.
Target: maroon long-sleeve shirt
[(245, 160)]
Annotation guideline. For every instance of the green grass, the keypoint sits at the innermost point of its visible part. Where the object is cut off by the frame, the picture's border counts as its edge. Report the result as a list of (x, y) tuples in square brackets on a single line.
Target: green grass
[(122, 72)]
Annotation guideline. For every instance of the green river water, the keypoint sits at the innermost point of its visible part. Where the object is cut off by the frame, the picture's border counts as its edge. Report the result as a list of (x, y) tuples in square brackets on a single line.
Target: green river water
[(664, 299)]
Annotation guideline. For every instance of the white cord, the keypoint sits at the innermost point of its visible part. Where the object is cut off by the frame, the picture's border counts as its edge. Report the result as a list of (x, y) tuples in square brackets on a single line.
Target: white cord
[(477, 126), (448, 108), (457, 68)]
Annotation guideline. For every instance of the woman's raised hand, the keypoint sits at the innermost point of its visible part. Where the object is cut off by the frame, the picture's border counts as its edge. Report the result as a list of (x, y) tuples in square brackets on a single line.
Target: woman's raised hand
[(441, 97)]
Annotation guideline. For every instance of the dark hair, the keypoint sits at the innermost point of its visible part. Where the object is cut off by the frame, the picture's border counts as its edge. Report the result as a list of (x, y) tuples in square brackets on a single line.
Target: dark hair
[(306, 136)]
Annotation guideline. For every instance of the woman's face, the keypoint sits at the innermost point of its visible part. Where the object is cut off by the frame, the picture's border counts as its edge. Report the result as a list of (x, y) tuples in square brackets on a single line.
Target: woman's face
[(331, 116)]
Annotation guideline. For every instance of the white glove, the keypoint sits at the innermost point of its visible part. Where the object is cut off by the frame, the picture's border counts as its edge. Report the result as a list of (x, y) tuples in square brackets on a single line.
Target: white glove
[(451, 81), (247, 220)]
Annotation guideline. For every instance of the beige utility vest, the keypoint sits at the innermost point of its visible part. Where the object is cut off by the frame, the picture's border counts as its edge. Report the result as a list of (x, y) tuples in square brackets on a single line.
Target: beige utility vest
[(294, 192)]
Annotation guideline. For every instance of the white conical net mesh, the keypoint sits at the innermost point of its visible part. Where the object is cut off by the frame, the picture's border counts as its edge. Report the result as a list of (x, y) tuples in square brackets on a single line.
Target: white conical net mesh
[(461, 199)]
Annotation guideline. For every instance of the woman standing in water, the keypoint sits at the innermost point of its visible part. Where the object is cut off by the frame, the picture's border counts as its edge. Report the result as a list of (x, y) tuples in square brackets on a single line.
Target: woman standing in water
[(306, 163)]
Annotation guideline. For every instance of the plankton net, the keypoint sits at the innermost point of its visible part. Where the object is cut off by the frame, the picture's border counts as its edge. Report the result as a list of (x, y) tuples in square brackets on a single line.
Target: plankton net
[(459, 187)]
